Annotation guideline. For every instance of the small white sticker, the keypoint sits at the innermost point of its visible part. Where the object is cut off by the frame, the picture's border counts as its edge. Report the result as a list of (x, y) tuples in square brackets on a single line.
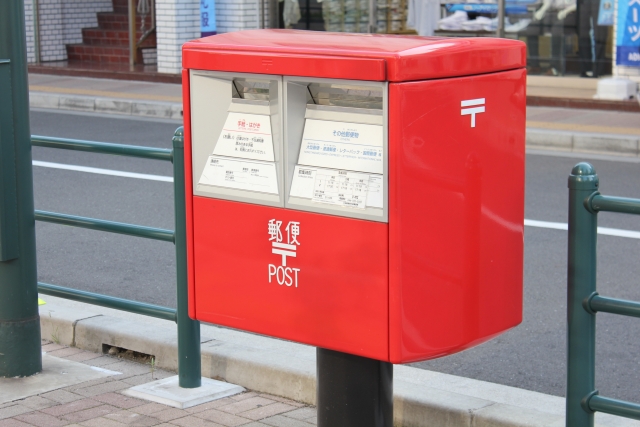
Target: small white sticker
[(240, 174), (247, 136), (341, 145)]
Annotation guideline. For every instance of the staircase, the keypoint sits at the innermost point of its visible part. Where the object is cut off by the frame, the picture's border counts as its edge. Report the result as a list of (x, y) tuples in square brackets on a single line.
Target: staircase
[(109, 42)]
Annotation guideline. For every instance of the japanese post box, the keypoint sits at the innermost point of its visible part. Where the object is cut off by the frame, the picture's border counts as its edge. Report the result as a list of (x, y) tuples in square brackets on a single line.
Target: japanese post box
[(360, 193)]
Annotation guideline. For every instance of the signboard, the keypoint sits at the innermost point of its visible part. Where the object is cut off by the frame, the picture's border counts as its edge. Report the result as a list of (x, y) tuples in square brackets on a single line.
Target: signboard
[(628, 33), (605, 13), (207, 18)]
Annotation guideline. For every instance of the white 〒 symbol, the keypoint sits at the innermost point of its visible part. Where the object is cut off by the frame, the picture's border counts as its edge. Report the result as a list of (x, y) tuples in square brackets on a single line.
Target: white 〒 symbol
[(477, 107), (284, 249)]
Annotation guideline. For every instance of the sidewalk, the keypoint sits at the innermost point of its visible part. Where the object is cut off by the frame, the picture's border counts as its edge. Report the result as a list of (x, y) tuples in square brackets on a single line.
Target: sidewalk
[(100, 402), (283, 370), (584, 130)]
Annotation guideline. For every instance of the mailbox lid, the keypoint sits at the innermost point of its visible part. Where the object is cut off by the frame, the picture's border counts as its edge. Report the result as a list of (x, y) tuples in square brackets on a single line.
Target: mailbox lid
[(456, 211), (377, 57)]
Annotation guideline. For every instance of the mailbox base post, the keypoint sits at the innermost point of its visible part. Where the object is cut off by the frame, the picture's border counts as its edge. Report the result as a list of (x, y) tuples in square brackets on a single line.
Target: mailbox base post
[(353, 391)]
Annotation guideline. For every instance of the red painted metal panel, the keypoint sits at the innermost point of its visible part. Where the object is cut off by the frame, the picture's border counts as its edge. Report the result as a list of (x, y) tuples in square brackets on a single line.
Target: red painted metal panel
[(352, 56), (282, 64), (340, 299), (456, 209), (188, 184)]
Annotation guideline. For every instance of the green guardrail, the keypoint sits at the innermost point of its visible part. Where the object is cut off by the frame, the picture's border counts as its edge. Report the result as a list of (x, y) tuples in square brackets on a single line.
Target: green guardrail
[(189, 365), (583, 301)]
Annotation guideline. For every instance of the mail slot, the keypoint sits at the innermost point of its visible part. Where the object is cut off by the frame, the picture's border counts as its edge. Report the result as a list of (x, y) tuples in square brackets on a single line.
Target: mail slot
[(360, 193)]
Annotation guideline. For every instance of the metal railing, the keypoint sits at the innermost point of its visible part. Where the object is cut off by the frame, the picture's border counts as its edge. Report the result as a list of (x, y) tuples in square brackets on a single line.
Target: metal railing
[(583, 301), (189, 369)]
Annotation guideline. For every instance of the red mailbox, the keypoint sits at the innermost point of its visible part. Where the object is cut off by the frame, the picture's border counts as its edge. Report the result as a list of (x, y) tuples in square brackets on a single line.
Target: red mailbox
[(360, 193)]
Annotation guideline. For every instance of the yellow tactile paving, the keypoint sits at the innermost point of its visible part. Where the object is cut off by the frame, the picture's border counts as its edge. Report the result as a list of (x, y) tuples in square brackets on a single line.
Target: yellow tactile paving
[(108, 94), (583, 128)]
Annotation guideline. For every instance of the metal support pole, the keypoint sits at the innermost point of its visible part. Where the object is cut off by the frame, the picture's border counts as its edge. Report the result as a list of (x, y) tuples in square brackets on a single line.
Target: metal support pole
[(353, 391), (581, 283), (20, 353), (501, 15), (132, 34), (36, 30), (189, 369)]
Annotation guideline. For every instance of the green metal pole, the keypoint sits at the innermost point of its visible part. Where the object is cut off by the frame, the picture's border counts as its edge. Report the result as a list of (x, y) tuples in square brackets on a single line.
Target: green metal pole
[(581, 283), (20, 353), (189, 369)]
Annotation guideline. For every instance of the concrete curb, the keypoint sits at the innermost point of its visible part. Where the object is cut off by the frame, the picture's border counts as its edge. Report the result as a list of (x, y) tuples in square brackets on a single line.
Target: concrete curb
[(421, 398), (130, 107), (536, 138), (621, 145)]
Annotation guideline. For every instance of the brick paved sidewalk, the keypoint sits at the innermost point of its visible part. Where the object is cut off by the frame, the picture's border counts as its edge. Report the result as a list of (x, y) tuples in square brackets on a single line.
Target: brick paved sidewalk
[(99, 403)]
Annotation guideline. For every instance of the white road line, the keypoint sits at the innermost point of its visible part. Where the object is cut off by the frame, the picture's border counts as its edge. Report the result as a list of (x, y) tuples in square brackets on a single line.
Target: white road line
[(601, 230), (100, 171), (527, 222)]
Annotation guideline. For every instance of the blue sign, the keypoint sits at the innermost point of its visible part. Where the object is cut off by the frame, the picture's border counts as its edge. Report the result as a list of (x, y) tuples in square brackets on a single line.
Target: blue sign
[(207, 18), (628, 33), (605, 14)]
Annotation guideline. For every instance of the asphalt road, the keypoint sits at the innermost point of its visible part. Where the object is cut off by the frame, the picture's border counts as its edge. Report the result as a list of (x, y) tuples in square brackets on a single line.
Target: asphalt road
[(531, 356)]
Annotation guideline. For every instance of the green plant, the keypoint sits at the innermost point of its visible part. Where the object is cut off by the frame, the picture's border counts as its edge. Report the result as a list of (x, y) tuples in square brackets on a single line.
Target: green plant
[(152, 365), (55, 337)]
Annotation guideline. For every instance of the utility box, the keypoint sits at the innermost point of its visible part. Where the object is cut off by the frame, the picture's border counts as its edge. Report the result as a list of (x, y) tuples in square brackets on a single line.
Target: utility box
[(360, 193)]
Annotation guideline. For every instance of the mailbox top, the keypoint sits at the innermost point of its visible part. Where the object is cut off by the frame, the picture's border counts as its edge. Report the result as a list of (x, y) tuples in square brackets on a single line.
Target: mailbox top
[(377, 57)]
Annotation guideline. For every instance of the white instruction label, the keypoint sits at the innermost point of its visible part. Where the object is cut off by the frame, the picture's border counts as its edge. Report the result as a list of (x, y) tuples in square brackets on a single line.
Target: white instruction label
[(247, 136), (337, 187), (341, 145), (240, 174)]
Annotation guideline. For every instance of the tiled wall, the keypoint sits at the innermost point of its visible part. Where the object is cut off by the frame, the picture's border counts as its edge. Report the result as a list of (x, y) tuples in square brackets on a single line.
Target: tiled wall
[(61, 22), (178, 21)]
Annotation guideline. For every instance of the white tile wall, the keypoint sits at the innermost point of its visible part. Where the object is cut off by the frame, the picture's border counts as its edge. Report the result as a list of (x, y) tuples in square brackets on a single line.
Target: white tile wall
[(177, 21), (61, 22)]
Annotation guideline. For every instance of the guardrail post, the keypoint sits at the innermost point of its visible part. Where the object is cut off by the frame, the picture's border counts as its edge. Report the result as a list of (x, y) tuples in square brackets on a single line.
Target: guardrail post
[(20, 353), (189, 369), (581, 283)]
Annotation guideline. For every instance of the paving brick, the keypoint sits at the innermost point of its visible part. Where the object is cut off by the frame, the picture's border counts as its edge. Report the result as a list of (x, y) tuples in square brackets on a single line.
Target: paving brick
[(38, 402), (119, 400), (312, 420), (130, 369), (192, 421), (267, 411), (87, 414), (89, 383), (301, 413), (283, 400), (102, 388), (12, 422), (62, 396), (246, 405), (102, 361), (68, 408), (280, 421), (223, 418), (132, 419), (101, 422), (210, 405), (243, 396), (146, 377), (83, 356), (149, 408), (12, 411), (170, 414), (64, 352), (41, 419), (255, 424), (52, 347)]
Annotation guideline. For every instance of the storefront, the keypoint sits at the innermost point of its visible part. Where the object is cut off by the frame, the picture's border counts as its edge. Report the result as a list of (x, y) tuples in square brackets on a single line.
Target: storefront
[(563, 37)]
